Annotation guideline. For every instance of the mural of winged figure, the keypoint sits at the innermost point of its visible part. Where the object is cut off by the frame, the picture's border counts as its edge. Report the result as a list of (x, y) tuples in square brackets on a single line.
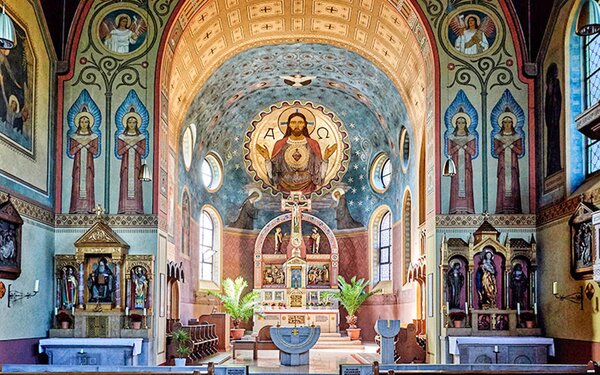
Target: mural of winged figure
[(118, 37), (473, 34)]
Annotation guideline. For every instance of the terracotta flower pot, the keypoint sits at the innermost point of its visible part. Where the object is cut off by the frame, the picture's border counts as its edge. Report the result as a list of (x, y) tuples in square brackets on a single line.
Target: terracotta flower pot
[(237, 333), (136, 325), (457, 323), (64, 324), (353, 333), (529, 324)]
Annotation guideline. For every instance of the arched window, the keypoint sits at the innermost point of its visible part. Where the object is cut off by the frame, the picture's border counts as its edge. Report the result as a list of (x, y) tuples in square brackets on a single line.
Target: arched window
[(591, 74), (404, 148), (185, 223), (381, 249), (187, 145), (407, 228), (385, 247), (210, 247)]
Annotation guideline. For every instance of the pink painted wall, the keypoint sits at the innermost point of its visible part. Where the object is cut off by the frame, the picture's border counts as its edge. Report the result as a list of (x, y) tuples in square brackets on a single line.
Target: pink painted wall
[(20, 351)]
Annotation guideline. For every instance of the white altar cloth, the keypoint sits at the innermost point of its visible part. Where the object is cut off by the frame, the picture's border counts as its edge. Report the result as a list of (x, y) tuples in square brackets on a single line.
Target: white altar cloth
[(455, 341), (95, 342)]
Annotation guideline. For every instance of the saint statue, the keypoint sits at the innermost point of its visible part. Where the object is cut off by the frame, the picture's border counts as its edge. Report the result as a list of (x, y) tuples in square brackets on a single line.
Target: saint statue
[(296, 163), (83, 147), (278, 240), (141, 288), (518, 285), (131, 147), (69, 288), (316, 240), (455, 281), (100, 283), (508, 147), (486, 280), (462, 148)]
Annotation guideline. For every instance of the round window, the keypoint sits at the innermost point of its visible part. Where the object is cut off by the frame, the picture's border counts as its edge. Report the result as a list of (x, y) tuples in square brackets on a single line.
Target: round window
[(404, 148), (212, 172), (187, 147), (381, 173)]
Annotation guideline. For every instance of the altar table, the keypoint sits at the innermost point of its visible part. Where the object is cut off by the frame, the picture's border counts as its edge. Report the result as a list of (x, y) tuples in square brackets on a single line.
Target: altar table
[(500, 349), (92, 351), (327, 320)]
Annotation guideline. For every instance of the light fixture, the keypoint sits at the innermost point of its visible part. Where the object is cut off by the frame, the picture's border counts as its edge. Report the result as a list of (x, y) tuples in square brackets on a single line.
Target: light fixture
[(15, 295), (449, 168), (145, 174), (588, 21), (575, 297), (7, 31)]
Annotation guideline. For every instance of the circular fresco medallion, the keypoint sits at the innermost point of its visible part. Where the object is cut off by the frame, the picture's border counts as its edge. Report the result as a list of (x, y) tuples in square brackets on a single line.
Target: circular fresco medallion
[(122, 29), (472, 31), (296, 146)]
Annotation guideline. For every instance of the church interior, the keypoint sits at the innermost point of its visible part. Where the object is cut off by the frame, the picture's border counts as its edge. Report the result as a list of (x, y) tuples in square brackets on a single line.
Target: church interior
[(407, 181)]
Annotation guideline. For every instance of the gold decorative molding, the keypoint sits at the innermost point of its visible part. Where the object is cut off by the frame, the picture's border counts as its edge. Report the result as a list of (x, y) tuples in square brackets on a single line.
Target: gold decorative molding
[(474, 221)]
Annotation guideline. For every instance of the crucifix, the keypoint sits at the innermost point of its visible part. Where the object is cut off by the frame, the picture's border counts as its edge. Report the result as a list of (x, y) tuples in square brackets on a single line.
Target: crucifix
[(296, 203)]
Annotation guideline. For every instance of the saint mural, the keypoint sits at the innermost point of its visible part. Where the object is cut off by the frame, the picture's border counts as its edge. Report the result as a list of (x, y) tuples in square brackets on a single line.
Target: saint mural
[(131, 147), (296, 148), (471, 32), (16, 92), (248, 213), (508, 148), (122, 31), (552, 110), (462, 148)]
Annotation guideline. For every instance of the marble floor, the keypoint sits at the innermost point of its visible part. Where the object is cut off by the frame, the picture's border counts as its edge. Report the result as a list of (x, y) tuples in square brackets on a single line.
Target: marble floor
[(322, 361)]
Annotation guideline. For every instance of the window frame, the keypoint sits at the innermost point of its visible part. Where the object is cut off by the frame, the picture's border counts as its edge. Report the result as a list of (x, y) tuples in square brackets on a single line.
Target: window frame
[(590, 144)]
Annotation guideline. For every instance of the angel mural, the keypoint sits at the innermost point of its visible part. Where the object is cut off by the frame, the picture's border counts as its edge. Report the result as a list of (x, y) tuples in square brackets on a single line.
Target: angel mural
[(131, 146), (471, 32), (122, 31), (83, 146), (15, 92)]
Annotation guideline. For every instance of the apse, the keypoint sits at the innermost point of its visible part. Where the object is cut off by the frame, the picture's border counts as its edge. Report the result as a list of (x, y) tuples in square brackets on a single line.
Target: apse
[(364, 100)]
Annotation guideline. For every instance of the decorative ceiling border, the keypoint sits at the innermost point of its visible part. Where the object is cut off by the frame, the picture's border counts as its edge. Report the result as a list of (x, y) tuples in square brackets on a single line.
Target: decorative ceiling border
[(29, 209), (475, 221)]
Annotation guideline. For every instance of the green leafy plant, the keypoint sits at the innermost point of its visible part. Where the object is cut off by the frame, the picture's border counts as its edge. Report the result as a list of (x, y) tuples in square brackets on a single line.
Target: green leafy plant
[(240, 308), (351, 295), (181, 338)]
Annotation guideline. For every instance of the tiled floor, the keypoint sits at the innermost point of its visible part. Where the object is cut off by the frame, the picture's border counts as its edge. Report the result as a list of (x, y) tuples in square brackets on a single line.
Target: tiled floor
[(322, 361)]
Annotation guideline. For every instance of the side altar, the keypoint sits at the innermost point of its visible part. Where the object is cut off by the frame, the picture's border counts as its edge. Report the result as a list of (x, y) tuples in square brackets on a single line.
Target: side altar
[(102, 293), (296, 260)]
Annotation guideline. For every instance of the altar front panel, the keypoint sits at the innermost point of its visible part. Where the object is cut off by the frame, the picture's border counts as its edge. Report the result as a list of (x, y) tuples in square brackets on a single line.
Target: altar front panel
[(327, 320), (86, 351)]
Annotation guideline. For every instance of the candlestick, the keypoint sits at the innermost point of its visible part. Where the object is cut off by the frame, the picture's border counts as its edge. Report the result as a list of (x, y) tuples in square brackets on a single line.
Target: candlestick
[(467, 308), (496, 349), (127, 311), (73, 310), (36, 288), (555, 287), (447, 307), (535, 308), (144, 311), (518, 308), (56, 311)]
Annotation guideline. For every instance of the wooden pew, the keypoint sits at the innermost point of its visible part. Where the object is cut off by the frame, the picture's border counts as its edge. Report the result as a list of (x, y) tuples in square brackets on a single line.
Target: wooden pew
[(203, 341), (407, 348)]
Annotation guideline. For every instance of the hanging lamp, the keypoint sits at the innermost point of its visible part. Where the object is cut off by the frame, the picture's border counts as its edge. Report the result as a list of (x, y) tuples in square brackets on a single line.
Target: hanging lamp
[(449, 168), (7, 31), (588, 21)]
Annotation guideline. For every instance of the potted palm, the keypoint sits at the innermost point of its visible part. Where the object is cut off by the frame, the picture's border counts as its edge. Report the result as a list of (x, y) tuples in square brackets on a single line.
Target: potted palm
[(181, 339), (238, 307), (351, 296)]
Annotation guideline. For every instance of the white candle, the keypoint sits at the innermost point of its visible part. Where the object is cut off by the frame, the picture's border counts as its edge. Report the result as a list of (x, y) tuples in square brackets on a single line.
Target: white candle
[(447, 307), (36, 288), (144, 311), (555, 287), (56, 311), (496, 349), (535, 308), (73, 310), (467, 308), (127, 311)]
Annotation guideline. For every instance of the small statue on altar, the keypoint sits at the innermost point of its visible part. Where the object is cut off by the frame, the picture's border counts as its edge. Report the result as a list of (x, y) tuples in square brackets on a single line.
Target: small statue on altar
[(518, 286), (316, 240), (278, 276), (69, 288), (278, 240), (486, 280), (268, 275), (100, 283), (455, 281), (141, 287), (296, 278)]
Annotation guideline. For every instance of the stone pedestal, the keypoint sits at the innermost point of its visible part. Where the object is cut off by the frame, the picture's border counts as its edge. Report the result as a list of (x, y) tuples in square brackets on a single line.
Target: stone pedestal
[(294, 343), (387, 331)]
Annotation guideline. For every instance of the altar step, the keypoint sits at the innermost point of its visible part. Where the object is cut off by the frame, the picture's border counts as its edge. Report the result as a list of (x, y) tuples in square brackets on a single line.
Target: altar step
[(337, 341)]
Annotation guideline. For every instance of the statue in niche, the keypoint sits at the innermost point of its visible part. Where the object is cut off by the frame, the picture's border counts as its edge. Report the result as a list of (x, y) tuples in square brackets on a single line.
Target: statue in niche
[(486, 280), (68, 288), (552, 110), (140, 282), (462, 148), (316, 240), (296, 278), (278, 275), (455, 281), (583, 245), (518, 285), (278, 240), (296, 163), (268, 275), (248, 212), (508, 147), (100, 282), (318, 275), (343, 217)]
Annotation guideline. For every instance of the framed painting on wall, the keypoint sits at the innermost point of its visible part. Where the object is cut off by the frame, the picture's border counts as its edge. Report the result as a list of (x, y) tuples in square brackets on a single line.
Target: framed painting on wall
[(11, 225), (583, 248)]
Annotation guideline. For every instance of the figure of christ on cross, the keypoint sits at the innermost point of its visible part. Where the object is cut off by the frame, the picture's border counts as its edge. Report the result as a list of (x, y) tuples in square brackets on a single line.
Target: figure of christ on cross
[(296, 203)]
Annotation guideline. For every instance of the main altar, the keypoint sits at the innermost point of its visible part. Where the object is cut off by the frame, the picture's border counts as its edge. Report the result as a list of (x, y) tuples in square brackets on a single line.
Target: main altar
[(295, 263)]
